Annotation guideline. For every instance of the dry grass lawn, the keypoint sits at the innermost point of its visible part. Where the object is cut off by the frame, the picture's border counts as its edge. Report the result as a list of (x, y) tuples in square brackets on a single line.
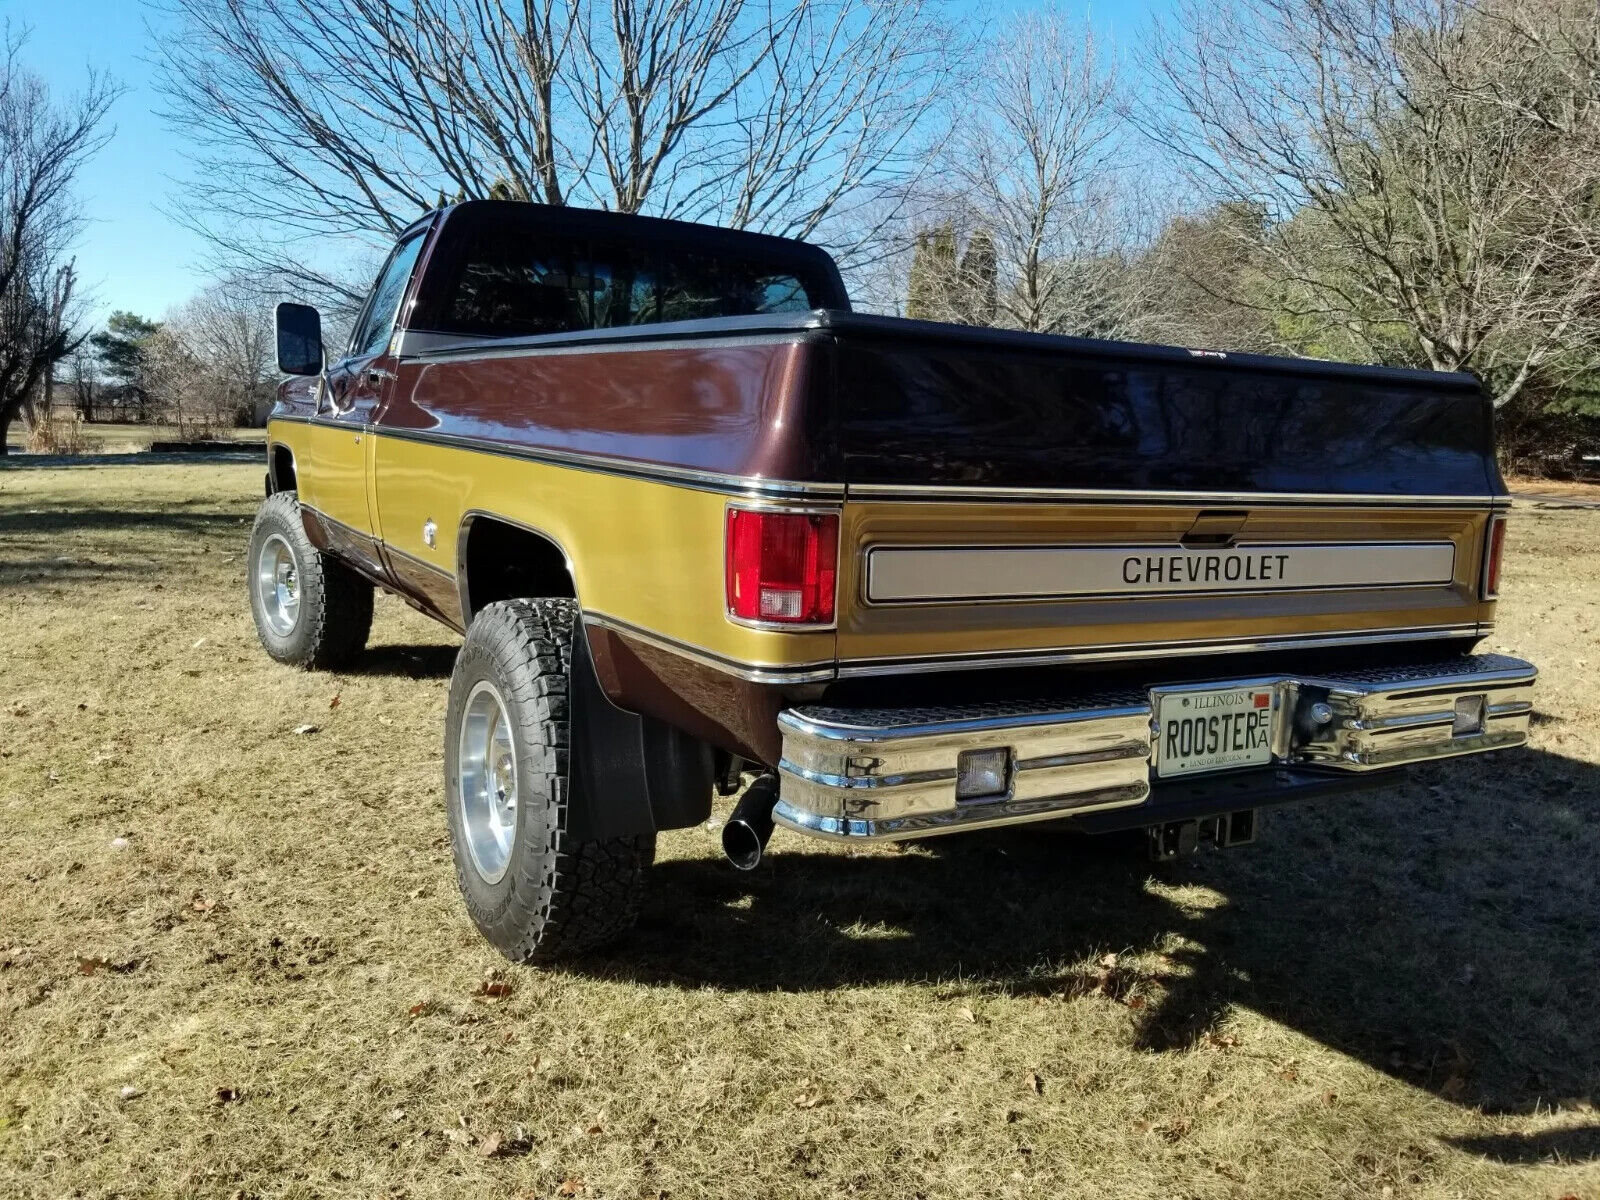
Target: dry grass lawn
[(233, 964)]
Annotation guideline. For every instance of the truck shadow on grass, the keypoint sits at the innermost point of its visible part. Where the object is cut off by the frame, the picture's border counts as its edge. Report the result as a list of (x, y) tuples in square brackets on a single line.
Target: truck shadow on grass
[(188, 519), (406, 662), (1443, 930)]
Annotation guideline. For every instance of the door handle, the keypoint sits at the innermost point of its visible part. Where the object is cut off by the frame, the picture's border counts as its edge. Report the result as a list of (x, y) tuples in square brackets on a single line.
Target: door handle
[(377, 376)]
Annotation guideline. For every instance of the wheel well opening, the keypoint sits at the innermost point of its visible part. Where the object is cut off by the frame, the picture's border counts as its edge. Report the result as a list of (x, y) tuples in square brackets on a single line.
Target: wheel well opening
[(507, 562), (283, 479)]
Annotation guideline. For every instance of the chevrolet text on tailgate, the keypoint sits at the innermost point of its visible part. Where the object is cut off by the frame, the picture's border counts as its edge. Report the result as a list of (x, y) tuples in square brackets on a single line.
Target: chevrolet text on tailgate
[(705, 528)]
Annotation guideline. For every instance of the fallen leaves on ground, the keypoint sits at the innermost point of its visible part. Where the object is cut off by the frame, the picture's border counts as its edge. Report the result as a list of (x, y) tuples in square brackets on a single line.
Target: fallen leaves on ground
[(92, 966)]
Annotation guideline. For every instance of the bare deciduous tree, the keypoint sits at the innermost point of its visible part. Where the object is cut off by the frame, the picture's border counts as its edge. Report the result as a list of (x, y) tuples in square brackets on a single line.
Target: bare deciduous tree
[(42, 146), (352, 117), (1191, 279), (1035, 160), (211, 364), (1418, 194), (229, 324)]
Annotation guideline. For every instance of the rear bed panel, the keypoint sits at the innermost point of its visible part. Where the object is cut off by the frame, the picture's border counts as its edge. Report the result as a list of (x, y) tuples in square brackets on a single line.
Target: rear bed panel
[(956, 439), (922, 404)]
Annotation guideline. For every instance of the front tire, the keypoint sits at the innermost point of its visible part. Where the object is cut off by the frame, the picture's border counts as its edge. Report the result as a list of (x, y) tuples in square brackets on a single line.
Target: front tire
[(310, 609), (533, 891)]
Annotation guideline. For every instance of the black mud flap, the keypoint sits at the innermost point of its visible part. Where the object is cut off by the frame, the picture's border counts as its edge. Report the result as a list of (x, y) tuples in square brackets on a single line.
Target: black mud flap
[(629, 775)]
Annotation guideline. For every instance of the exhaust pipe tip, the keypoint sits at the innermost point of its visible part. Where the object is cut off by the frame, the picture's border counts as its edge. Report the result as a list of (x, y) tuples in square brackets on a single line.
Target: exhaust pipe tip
[(743, 845), (745, 834)]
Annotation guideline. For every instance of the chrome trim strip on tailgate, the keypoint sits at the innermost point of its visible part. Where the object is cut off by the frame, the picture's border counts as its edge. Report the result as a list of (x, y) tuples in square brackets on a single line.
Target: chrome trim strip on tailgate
[(884, 774), (932, 574), (917, 492), (1151, 650)]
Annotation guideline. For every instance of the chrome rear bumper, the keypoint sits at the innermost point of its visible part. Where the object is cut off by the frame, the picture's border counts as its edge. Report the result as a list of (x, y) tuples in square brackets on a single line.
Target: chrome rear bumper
[(886, 773)]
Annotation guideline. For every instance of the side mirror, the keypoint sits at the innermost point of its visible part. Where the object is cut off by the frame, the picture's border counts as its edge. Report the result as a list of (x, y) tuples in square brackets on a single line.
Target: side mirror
[(299, 329)]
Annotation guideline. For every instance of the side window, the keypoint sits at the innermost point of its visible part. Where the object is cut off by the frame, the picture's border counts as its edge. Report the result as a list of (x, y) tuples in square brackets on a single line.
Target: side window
[(377, 318)]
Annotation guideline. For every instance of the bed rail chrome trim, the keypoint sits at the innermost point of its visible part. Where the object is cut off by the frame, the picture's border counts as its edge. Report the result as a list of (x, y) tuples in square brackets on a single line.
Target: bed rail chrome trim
[(885, 774)]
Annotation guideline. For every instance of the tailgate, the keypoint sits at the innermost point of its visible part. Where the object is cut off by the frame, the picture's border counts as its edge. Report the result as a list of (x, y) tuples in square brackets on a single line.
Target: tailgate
[(1044, 499)]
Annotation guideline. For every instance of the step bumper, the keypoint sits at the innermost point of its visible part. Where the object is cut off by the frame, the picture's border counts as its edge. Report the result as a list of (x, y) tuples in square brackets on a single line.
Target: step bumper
[(890, 773)]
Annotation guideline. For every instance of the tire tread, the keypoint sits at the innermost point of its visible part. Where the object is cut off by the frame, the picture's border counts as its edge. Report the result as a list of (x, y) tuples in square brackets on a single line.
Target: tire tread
[(567, 897), (336, 603)]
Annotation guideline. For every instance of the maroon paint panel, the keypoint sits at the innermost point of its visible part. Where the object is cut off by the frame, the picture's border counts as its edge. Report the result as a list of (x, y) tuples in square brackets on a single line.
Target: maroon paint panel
[(746, 408), (732, 713), (430, 590)]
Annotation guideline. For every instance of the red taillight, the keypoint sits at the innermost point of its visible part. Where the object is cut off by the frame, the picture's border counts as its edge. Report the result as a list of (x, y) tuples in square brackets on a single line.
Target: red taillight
[(1491, 562), (781, 566)]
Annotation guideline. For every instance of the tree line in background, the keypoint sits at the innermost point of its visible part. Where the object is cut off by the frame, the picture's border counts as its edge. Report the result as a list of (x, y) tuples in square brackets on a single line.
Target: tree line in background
[(208, 365), (1408, 182), (1411, 182)]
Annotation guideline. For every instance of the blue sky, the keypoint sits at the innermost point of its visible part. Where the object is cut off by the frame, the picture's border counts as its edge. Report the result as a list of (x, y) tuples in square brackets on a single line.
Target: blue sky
[(132, 255)]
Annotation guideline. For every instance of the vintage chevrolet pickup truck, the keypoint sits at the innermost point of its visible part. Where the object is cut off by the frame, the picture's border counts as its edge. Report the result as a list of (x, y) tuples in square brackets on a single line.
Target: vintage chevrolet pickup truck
[(703, 527)]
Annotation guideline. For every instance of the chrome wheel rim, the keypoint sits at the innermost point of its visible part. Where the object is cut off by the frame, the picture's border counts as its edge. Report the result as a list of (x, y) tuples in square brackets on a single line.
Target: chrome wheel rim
[(278, 585), (486, 782)]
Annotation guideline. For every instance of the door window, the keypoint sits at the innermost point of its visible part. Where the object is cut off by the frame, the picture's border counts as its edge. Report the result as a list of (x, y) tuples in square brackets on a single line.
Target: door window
[(383, 306)]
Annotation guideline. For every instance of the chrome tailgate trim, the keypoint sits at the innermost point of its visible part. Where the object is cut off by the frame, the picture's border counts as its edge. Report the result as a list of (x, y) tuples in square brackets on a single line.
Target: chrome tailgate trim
[(930, 574)]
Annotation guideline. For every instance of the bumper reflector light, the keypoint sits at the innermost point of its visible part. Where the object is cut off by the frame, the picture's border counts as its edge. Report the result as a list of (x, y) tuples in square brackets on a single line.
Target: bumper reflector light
[(983, 774), (1469, 715)]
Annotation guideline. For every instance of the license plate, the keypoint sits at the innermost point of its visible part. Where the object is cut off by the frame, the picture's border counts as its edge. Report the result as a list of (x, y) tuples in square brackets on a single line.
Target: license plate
[(1213, 730)]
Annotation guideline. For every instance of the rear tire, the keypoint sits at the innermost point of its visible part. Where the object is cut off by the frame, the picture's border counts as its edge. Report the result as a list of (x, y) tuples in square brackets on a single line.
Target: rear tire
[(310, 609), (535, 893)]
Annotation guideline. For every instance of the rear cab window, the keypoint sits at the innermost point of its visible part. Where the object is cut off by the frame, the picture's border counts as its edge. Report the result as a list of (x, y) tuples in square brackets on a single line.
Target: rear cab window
[(523, 271)]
